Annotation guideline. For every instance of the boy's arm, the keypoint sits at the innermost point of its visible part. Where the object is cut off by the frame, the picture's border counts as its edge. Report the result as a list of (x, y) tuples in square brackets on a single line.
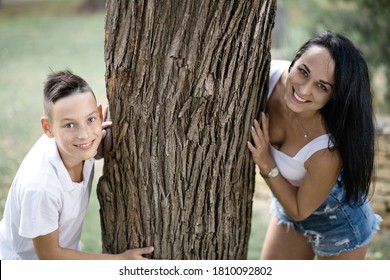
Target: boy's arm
[(47, 248)]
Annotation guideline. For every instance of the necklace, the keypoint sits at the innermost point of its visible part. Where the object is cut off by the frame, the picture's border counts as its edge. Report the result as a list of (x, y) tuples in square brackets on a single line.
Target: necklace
[(306, 133)]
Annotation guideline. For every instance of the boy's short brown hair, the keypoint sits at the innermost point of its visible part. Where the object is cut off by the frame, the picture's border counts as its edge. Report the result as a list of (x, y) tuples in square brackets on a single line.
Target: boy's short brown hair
[(61, 84)]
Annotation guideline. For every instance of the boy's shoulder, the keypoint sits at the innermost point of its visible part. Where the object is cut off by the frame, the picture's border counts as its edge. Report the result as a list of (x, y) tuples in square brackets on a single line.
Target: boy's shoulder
[(43, 168), (42, 154), (40, 163)]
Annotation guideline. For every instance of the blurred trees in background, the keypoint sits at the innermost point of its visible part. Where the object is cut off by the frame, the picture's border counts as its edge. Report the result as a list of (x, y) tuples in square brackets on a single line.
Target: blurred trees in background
[(92, 5), (365, 22), (86, 5)]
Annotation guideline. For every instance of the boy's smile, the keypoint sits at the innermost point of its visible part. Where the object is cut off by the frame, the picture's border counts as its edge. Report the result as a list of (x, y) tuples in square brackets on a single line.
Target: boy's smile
[(86, 146), (76, 125)]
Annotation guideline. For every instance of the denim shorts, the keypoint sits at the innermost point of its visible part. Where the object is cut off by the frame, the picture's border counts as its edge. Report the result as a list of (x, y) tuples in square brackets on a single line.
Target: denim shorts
[(336, 226)]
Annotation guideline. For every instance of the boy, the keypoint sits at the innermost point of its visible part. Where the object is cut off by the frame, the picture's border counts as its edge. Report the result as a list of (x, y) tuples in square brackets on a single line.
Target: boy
[(48, 199)]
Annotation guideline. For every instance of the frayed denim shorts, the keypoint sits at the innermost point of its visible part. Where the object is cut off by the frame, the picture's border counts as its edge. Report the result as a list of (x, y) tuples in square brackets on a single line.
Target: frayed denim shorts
[(336, 226)]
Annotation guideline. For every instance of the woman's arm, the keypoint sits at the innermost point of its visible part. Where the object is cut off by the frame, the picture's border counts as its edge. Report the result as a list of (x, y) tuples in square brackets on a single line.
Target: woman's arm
[(323, 168)]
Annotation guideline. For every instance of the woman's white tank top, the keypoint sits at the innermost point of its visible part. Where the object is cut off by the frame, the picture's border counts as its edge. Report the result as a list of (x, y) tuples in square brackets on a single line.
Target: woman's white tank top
[(292, 167)]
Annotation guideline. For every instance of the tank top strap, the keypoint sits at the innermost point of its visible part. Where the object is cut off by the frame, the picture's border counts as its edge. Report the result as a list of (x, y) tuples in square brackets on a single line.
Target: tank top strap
[(319, 143)]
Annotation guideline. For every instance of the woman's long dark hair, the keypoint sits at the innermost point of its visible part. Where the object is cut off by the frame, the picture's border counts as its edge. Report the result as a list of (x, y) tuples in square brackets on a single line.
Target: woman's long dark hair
[(349, 115)]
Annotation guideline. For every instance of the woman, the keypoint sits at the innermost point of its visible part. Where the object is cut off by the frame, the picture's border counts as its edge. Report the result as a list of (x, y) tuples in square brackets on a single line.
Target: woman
[(315, 150)]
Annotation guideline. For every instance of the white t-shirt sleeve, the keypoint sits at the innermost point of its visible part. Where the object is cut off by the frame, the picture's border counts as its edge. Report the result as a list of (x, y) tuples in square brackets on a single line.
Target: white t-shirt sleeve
[(40, 212)]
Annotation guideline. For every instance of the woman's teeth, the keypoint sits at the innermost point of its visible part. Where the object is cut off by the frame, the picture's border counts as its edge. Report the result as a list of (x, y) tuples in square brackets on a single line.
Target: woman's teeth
[(298, 98)]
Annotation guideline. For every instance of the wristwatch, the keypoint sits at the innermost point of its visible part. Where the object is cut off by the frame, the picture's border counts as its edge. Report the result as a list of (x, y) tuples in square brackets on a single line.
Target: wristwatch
[(273, 173)]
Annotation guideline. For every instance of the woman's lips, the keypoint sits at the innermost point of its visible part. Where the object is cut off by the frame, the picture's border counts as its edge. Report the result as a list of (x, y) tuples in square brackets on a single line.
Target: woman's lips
[(298, 99)]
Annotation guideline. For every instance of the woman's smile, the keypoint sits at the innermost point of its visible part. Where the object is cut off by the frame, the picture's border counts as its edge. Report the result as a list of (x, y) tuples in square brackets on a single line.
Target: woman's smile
[(298, 99)]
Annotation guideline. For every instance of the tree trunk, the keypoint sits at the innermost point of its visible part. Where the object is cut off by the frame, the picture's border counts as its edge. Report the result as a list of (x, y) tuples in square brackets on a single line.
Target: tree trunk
[(185, 79)]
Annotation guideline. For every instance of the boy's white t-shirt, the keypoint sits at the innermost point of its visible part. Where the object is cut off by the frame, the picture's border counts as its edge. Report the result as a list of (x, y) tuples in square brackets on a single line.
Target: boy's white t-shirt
[(43, 198)]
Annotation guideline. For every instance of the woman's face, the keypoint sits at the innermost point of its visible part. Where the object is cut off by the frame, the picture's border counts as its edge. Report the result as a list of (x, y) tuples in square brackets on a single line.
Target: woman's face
[(310, 81)]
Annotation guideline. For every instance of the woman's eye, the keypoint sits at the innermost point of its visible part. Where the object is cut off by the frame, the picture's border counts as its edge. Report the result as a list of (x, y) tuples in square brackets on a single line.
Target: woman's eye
[(322, 87), (303, 72)]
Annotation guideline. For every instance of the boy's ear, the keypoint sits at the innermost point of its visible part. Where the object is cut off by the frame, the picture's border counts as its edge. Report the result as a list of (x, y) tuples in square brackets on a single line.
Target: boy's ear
[(46, 127)]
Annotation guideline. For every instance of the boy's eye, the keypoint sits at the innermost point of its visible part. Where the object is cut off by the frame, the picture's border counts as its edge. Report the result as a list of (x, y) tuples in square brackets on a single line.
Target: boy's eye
[(91, 119), (69, 125)]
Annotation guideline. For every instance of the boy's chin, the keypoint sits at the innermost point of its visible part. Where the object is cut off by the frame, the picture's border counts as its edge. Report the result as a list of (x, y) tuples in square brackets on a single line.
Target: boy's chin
[(86, 155)]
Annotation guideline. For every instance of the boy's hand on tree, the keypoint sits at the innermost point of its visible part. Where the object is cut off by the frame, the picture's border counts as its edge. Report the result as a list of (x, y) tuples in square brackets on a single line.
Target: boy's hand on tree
[(105, 144), (106, 121), (138, 254)]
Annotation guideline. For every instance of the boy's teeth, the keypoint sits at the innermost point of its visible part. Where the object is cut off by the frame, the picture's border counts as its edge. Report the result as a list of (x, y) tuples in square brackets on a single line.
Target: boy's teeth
[(85, 145)]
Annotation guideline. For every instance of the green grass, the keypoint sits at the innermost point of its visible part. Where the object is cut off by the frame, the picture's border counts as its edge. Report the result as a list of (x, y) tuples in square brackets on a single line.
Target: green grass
[(35, 38)]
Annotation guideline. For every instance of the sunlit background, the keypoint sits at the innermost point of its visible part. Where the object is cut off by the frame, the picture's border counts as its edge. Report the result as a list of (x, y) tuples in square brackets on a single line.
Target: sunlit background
[(38, 36)]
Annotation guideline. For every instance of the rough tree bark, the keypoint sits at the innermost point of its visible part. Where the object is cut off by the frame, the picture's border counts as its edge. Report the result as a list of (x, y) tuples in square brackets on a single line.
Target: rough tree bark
[(185, 79)]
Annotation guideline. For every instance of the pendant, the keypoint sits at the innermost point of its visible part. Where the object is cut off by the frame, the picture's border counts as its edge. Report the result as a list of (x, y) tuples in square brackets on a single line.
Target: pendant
[(306, 135)]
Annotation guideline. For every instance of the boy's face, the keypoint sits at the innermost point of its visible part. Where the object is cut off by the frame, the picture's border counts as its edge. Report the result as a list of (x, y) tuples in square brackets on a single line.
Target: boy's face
[(76, 125)]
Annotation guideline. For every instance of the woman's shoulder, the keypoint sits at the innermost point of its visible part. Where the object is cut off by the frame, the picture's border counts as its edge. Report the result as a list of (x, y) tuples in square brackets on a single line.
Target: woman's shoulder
[(278, 71), (325, 159), (279, 63)]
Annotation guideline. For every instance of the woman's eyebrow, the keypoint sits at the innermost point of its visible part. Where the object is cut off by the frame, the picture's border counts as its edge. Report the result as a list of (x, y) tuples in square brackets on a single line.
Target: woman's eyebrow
[(322, 81), (306, 68)]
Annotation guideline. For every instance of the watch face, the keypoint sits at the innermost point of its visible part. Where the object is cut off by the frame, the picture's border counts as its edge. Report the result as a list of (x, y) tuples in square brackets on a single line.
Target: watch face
[(273, 173)]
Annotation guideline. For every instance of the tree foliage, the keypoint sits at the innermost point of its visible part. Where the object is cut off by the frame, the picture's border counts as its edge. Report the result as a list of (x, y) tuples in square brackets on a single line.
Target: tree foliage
[(365, 22)]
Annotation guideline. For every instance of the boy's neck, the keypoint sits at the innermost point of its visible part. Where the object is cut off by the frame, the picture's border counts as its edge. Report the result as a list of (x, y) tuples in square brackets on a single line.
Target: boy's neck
[(76, 172)]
